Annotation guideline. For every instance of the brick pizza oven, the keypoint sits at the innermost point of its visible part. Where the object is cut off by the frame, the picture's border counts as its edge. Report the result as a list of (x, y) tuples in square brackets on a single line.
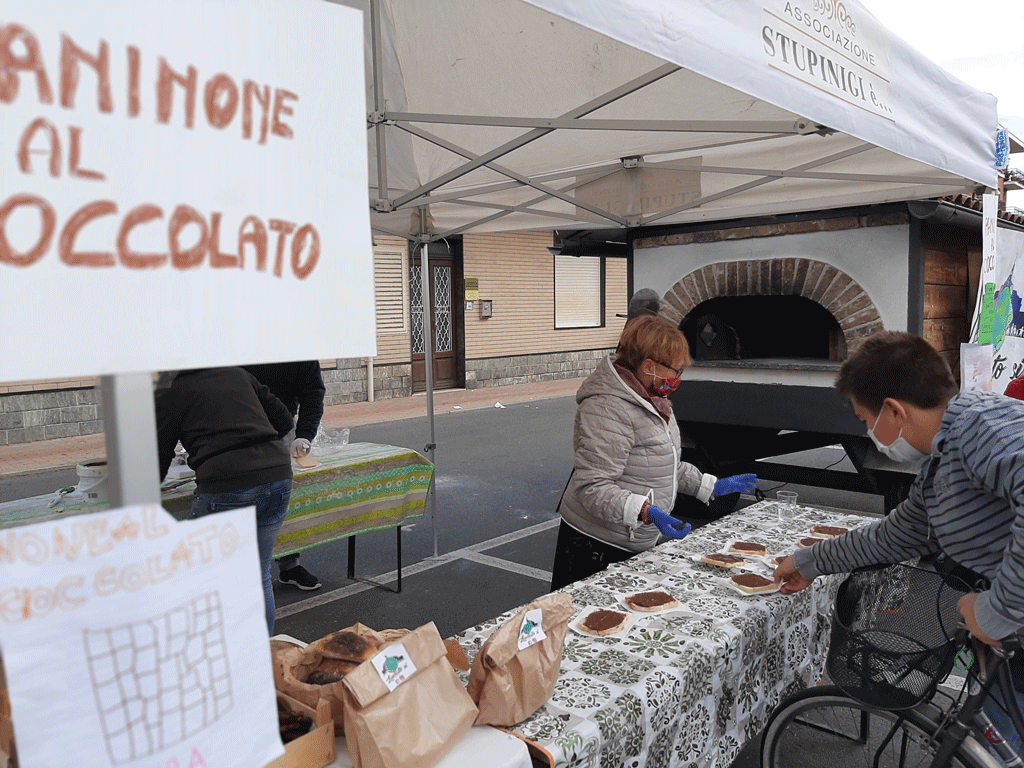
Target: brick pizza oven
[(772, 306)]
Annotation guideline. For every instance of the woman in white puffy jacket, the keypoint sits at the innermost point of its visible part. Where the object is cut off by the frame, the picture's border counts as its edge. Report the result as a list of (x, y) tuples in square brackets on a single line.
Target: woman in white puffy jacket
[(627, 470)]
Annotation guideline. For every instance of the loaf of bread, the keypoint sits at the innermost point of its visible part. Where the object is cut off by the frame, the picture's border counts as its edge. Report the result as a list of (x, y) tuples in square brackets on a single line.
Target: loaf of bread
[(722, 560), (751, 583), (347, 646), (651, 602), (292, 725), (603, 622), (330, 671)]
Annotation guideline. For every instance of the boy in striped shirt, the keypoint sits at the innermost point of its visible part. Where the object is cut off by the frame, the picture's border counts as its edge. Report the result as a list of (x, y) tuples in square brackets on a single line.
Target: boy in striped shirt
[(966, 504)]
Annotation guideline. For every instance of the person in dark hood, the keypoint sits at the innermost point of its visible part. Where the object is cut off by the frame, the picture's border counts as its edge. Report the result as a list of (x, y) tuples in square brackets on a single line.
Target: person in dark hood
[(231, 426), (300, 386)]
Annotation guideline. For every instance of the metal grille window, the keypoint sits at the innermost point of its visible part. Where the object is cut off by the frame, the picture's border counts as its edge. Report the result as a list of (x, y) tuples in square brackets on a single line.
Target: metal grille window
[(416, 308), (578, 300), (442, 319), (442, 309)]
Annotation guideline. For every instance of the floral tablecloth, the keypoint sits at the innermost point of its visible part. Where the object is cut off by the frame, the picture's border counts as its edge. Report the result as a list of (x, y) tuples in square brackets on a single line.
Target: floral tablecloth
[(685, 687)]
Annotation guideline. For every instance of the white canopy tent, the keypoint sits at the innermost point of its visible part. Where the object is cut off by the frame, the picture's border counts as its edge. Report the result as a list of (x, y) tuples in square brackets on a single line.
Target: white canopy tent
[(503, 114), (499, 115)]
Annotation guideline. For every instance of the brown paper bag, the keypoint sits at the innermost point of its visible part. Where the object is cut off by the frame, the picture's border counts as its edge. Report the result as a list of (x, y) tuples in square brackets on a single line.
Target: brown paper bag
[(510, 683), (420, 720), (293, 667)]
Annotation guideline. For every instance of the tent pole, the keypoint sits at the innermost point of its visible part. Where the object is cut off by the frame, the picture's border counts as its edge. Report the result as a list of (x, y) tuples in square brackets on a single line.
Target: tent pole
[(427, 283), (378, 100), (129, 417)]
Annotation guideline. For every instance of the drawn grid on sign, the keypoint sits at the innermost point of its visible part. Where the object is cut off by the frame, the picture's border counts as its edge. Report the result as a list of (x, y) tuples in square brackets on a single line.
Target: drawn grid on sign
[(161, 680)]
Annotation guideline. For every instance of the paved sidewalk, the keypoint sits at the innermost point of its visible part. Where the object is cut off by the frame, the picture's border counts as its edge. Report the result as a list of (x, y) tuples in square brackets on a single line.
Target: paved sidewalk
[(55, 454)]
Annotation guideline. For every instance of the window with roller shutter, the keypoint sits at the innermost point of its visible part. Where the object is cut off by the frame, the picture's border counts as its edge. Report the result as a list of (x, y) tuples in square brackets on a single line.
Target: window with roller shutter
[(390, 281), (579, 294)]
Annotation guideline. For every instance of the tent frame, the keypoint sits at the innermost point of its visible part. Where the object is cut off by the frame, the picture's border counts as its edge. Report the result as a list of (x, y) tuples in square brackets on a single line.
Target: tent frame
[(419, 199)]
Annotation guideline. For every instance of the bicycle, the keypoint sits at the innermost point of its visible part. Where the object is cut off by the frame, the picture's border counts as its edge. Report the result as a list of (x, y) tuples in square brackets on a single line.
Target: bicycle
[(891, 647)]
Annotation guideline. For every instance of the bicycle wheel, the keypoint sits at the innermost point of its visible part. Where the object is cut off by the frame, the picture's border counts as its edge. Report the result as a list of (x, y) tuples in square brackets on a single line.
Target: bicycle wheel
[(822, 727)]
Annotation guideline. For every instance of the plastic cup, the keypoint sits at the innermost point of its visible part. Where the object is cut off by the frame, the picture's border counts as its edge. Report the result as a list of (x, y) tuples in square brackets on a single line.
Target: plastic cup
[(787, 499)]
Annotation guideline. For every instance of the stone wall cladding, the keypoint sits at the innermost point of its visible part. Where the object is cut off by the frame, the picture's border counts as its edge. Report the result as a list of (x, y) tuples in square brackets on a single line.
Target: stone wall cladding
[(839, 293), (44, 415), (522, 369), (347, 382)]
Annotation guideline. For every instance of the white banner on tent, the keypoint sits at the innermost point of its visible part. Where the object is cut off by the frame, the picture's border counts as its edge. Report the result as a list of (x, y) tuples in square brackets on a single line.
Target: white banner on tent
[(177, 186), (131, 639), (843, 54)]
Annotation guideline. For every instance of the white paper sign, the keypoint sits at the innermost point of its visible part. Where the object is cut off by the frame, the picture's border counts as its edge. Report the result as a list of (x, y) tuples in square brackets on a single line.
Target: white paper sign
[(532, 629), (394, 665), (131, 639), (174, 179)]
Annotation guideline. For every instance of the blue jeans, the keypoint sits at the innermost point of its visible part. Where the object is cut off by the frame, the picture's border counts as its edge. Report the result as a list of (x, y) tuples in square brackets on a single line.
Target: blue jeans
[(271, 502), (1001, 720)]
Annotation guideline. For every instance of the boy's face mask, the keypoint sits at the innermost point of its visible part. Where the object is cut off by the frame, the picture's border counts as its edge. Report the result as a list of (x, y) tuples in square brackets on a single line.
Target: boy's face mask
[(899, 450)]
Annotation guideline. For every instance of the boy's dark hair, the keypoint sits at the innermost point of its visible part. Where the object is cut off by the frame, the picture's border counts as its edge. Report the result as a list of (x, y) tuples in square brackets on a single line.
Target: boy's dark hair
[(898, 365)]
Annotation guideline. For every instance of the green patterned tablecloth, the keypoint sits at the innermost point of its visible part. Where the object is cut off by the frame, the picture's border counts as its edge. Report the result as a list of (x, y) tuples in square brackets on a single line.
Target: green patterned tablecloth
[(364, 487), (686, 687)]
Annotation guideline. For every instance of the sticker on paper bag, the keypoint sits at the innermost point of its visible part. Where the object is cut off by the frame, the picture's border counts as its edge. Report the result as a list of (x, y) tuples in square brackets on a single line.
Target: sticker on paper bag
[(394, 666), (532, 630)]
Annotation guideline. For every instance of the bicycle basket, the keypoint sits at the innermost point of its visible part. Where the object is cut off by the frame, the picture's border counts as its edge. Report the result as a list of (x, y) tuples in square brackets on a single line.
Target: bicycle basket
[(892, 634)]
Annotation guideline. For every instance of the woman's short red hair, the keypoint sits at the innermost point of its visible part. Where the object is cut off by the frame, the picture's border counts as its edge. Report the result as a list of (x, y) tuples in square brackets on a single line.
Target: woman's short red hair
[(651, 337)]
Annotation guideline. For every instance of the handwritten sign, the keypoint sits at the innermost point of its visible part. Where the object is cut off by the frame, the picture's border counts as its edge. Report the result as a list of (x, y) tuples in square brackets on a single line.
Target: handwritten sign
[(138, 639), (175, 182)]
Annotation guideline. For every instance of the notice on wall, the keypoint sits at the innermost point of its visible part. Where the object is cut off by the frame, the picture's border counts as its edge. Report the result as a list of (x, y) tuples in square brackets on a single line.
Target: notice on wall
[(132, 639), (181, 185)]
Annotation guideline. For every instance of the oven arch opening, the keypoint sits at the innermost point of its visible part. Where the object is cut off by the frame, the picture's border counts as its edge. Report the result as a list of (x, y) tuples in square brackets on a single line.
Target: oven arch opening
[(763, 328), (836, 292)]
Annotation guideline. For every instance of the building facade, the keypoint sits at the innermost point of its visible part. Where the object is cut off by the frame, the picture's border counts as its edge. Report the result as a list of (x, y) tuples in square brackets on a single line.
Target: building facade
[(504, 310)]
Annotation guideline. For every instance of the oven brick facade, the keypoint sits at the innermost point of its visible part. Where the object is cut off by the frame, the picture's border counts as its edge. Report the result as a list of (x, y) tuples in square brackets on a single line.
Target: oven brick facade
[(823, 283), (818, 281)]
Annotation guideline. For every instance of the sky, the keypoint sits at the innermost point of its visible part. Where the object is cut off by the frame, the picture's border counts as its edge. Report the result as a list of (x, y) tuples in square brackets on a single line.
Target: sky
[(979, 41)]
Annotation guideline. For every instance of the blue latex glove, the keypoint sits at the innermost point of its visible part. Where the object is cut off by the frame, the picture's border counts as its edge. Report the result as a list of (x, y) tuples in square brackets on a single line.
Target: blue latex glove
[(735, 484), (666, 523)]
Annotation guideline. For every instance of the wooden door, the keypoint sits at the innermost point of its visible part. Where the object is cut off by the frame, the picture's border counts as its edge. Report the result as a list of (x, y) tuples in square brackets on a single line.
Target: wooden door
[(443, 321)]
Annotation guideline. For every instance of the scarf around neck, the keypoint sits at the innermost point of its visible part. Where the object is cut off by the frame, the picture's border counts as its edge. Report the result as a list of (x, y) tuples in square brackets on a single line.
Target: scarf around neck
[(661, 404)]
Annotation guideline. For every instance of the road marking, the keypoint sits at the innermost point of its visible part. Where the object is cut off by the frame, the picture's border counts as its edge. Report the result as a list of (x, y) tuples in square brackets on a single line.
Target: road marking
[(508, 565), (466, 553)]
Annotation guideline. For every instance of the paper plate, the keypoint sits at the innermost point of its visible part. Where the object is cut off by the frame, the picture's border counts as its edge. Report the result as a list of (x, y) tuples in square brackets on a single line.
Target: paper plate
[(575, 623)]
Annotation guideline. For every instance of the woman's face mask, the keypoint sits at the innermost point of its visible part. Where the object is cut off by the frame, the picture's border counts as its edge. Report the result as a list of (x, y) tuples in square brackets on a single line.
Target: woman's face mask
[(898, 450), (664, 387)]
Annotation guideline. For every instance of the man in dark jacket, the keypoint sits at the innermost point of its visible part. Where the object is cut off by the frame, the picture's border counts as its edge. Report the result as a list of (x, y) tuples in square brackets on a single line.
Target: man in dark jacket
[(231, 426), (301, 388)]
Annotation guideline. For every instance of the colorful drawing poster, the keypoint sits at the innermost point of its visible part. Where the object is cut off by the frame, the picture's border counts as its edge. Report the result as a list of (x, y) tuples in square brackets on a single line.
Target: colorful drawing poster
[(132, 640)]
